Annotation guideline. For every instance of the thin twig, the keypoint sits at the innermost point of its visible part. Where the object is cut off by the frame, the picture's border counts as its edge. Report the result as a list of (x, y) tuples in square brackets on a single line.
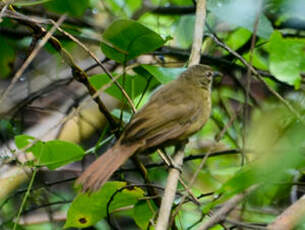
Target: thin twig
[(100, 64), (245, 225), (248, 83), (259, 76), (26, 195), (220, 214)]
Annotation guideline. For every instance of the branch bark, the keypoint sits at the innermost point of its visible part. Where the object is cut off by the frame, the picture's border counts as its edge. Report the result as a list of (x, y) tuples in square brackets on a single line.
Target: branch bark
[(170, 191), (198, 32), (174, 174), (290, 217), (220, 214)]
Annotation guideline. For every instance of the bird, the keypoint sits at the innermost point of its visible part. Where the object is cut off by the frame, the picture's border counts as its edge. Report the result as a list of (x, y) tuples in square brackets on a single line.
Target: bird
[(174, 112)]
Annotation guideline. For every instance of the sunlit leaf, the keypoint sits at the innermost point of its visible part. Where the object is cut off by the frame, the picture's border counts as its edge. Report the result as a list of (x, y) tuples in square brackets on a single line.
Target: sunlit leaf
[(87, 209), (51, 154)]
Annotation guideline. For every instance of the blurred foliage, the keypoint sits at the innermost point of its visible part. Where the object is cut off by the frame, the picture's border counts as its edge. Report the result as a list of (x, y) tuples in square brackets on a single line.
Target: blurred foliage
[(155, 44)]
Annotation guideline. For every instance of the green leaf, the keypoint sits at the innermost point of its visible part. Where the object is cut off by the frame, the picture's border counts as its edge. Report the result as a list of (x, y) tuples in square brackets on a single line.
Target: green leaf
[(241, 13), (72, 7), (127, 39), (22, 141), (163, 75), (127, 7), (258, 60), (52, 154), (287, 58), (144, 211), (29, 3), (238, 38), (87, 209), (133, 85), (56, 153)]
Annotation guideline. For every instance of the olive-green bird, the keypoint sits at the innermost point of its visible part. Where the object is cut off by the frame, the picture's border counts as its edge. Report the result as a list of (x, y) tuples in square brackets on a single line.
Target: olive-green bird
[(173, 113)]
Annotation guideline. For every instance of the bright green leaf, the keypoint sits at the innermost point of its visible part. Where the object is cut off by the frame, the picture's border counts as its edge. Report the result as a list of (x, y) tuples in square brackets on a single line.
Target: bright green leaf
[(57, 153), (144, 211), (22, 141), (127, 39), (51, 154), (238, 38), (87, 209), (258, 60), (287, 58)]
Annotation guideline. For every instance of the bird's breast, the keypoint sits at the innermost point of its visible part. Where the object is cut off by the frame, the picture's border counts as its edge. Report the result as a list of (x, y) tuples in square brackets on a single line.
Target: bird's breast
[(198, 119)]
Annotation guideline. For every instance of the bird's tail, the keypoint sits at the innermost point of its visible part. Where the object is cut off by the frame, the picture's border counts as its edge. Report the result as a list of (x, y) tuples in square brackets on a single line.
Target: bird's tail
[(102, 168)]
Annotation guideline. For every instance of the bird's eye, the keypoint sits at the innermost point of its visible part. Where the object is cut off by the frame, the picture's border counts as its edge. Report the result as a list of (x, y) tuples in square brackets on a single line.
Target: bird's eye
[(209, 74)]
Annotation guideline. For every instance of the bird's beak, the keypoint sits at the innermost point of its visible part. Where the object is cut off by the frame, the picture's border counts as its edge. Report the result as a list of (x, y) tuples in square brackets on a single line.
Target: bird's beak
[(217, 74)]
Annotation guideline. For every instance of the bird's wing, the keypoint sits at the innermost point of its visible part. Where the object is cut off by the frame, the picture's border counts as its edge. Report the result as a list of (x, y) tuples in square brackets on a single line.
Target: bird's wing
[(166, 116)]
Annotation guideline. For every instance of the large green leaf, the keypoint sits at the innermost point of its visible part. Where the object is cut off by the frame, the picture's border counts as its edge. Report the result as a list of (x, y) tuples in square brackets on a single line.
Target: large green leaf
[(287, 57), (72, 7), (87, 209), (51, 154), (127, 39)]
